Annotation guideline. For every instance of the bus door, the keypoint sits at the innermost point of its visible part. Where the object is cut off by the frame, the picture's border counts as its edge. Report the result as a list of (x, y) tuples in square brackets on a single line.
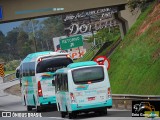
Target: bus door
[(90, 85)]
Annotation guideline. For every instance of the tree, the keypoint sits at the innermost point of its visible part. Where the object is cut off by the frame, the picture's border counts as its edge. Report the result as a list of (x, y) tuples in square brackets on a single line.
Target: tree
[(11, 41), (31, 27), (133, 4), (23, 44), (51, 27), (2, 46), (104, 35), (2, 41)]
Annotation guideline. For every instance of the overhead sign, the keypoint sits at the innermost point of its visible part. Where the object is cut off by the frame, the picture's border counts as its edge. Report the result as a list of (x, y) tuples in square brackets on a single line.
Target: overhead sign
[(102, 60), (71, 42), (89, 20), (1, 15), (102, 13), (28, 9)]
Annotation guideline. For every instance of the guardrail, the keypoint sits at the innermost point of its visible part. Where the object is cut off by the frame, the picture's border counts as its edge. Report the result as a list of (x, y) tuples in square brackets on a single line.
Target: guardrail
[(9, 77), (124, 101)]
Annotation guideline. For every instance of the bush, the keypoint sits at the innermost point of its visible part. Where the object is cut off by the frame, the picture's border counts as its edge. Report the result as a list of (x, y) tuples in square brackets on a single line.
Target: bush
[(133, 4), (12, 65)]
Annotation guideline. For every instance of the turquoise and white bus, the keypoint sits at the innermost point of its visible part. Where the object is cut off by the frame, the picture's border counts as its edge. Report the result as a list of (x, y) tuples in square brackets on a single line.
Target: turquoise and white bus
[(36, 74), (82, 87)]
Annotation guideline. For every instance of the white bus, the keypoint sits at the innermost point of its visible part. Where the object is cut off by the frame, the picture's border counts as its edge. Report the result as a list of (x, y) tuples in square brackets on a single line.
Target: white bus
[(82, 87), (36, 74)]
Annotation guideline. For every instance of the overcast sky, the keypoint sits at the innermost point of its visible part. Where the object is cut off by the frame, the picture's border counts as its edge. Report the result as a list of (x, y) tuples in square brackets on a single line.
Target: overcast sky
[(6, 27)]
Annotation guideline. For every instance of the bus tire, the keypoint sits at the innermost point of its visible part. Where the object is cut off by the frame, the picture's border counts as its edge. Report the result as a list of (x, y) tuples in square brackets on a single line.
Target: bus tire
[(38, 109), (29, 108), (63, 114), (72, 115), (105, 111)]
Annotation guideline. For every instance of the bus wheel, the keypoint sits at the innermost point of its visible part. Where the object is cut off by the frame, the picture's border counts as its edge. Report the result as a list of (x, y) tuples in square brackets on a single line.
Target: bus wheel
[(38, 109), (63, 114), (72, 115), (29, 108), (105, 111)]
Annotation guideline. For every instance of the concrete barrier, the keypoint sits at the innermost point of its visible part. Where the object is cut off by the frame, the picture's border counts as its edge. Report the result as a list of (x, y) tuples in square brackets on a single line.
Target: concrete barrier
[(1, 80)]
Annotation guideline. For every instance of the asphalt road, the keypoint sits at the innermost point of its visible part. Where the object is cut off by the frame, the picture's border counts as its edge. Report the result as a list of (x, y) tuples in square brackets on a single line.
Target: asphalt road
[(11, 103)]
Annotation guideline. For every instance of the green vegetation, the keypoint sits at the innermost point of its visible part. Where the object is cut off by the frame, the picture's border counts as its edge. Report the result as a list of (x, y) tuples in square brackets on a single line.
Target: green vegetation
[(9, 72), (88, 55), (134, 4), (104, 52), (21, 41), (135, 64), (12, 65), (104, 35)]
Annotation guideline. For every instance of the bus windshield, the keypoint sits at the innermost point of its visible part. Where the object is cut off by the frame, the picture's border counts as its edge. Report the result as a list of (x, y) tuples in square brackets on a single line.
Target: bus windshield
[(88, 74), (52, 64)]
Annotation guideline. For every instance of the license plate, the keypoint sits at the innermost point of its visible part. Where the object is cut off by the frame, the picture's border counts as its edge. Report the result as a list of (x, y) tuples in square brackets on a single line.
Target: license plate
[(91, 98)]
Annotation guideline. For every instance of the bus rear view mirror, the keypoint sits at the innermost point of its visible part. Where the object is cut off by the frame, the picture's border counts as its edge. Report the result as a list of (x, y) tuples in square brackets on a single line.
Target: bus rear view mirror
[(17, 74)]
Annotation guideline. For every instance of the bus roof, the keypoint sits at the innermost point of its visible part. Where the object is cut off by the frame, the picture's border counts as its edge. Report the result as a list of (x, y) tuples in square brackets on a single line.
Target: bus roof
[(76, 65), (34, 56), (81, 64)]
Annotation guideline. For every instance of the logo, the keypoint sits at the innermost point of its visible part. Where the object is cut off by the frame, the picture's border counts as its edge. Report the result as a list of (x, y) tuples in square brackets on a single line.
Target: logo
[(6, 114), (19, 114), (149, 109)]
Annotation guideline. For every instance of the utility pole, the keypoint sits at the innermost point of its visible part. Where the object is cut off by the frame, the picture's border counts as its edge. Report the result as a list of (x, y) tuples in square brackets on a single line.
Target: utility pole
[(35, 43)]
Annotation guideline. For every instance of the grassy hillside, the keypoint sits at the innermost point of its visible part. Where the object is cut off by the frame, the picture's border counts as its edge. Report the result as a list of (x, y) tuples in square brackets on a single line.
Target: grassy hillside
[(135, 64)]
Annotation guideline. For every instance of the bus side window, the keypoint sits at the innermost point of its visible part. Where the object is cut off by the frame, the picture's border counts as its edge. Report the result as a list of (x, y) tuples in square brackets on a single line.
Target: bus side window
[(56, 85), (65, 82), (61, 83), (24, 69), (20, 71), (32, 69), (58, 82), (27, 69)]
